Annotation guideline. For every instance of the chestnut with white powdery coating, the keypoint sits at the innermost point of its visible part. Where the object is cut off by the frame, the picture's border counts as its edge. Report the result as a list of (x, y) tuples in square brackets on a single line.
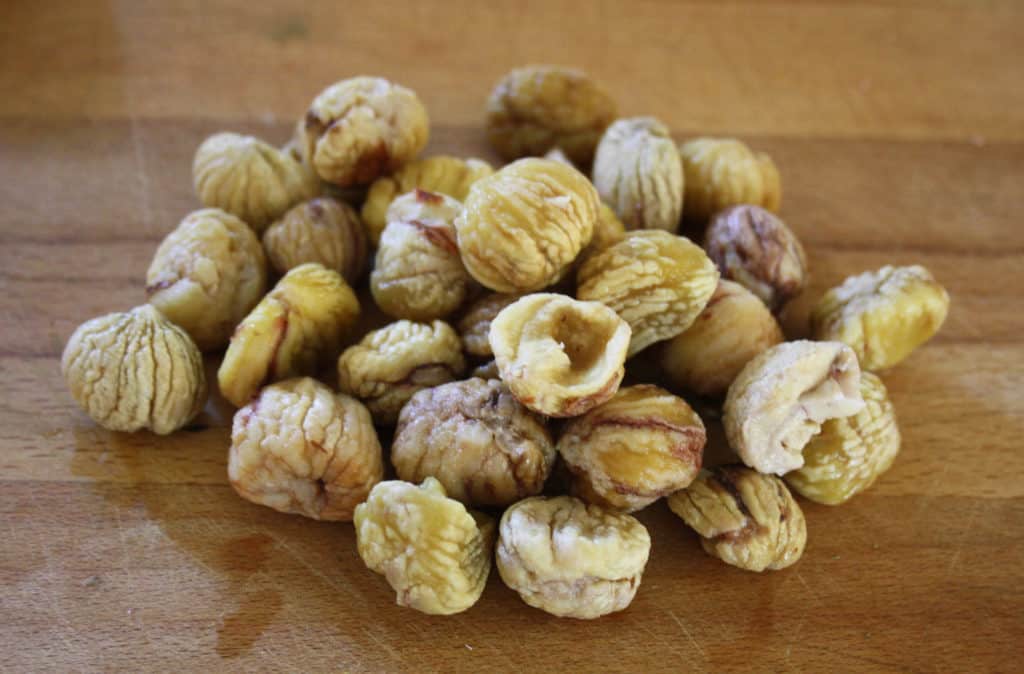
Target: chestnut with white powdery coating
[(781, 398), (638, 172), (300, 448), (883, 315), (477, 439), (571, 559), (559, 356)]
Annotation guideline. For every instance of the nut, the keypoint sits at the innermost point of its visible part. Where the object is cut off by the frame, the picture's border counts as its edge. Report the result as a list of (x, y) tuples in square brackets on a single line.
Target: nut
[(559, 356), (206, 276), (488, 370), (249, 178), (432, 551), (556, 154), (418, 273), (757, 250), (361, 128), (389, 365), (657, 282), (883, 315), (446, 175), (293, 148), (781, 397), (608, 229), (744, 518), (475, 324), (571, 559), (638, 172), (322, 230), (295, 329), (135, 370), (300, 448), (723, 172), (523, 226), (849, 454), (734, 327), (474, 437), (642, 444), (537, 108)]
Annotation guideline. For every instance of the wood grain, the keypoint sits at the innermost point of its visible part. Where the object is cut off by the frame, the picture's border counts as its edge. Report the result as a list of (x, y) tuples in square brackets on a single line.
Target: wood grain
[(898, 127)]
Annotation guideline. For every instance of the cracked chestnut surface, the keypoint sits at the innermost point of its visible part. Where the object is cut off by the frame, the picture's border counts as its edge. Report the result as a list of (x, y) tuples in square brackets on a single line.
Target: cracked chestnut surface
[(295, 329), (418, 273), (569, 558), (391, 364), (656, 281), (476, 439), (559, 356), (756, 249), (323, 230), (849, 454), (723, 172), (359, 129), (882, 315), (250, 179), (744, 518), (625, 454), (434, 553), (135, 370), (207, 275), (638, 172), (443, 174), (537, 108), (522, 227), (781, 397), (301, 448)]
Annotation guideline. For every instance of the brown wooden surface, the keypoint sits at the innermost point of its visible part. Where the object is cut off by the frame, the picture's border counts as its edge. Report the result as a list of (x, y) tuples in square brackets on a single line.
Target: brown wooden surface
[(898, 127)]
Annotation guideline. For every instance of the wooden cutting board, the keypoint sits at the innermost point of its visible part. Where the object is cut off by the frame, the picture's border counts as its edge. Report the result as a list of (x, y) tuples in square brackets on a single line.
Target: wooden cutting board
[(898, 127)]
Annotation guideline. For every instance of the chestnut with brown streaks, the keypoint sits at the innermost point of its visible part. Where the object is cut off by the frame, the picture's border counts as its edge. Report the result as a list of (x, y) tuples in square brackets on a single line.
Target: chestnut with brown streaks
[(484, 447), (644, 443), (744, 518), (756, 249), (418, 273)]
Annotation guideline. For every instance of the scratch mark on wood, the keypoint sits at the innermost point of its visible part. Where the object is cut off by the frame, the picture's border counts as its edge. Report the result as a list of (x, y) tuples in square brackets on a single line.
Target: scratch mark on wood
[(309, 567), (689, 636)]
